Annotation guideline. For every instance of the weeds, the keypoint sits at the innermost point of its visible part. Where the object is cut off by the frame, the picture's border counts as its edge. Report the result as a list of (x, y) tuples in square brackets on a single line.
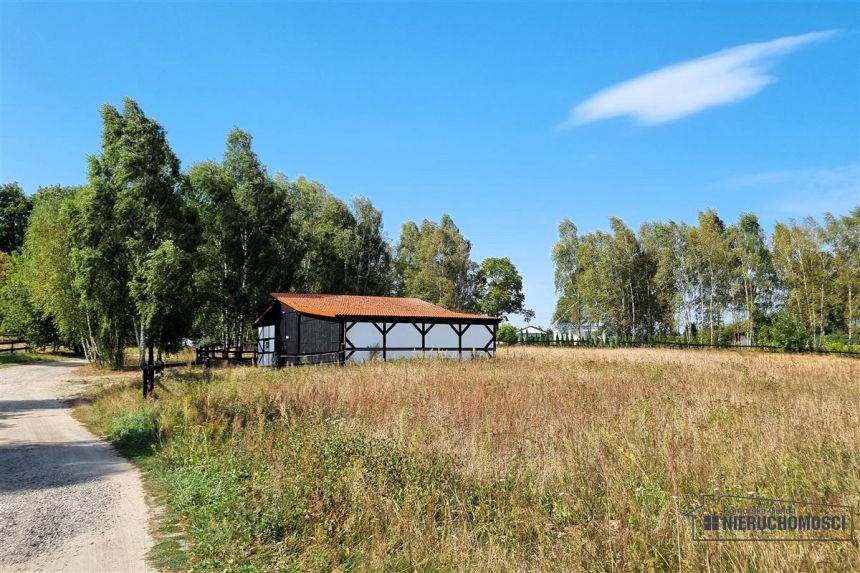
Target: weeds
[(544, 459)]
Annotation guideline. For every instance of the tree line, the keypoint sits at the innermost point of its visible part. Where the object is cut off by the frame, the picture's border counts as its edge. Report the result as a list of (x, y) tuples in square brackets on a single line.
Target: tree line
[(712, 282), (149, 255)]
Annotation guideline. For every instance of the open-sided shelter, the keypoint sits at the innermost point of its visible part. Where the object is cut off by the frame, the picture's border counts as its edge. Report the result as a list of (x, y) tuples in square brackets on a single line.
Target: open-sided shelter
[(317, 328)]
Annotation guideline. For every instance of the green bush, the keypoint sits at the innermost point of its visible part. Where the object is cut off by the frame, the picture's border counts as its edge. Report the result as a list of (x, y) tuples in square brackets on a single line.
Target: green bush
[(838, 343), (507, 333), (787, 332)]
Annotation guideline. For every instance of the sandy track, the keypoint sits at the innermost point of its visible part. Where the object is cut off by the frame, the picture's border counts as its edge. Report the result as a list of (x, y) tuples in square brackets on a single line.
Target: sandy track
[(68, 501)]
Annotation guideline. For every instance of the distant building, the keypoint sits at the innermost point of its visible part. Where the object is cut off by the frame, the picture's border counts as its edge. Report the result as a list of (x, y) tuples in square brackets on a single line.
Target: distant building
[(532, 332), (585, 331)]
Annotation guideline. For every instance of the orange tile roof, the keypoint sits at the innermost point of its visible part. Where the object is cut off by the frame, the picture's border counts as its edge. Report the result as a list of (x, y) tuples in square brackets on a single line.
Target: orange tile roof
[(336, 305)]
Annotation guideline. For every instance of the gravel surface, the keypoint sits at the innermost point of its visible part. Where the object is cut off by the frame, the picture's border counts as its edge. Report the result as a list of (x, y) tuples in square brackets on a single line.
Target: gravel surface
[(68, 502)]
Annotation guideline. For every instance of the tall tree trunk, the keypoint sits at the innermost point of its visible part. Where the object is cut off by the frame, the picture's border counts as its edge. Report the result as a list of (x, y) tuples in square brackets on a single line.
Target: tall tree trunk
[(633, 310), (748, 294), (240, 337), (821, 318), (141, 343)]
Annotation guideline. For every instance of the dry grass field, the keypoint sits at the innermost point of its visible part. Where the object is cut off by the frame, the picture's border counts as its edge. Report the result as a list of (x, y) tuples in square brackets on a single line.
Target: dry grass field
[(540, 460)]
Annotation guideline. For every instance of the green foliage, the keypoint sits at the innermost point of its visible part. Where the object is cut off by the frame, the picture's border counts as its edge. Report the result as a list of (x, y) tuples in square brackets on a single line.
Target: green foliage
[(435, 265), (842, 236), (500, 289), (806, 270), (752, 289), (786, 331), (342, 249), (161, 288), (261, 235), (18, 314), (135, 225), (48, 267), (507, 333), (569, 306), (614, 279), (838, 342), (695, 280), (370, 267), (14, 212)]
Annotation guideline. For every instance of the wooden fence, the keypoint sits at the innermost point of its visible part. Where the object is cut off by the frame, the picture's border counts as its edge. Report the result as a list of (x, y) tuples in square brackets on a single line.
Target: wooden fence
[(13, 344), (592, 343), (230, 355)]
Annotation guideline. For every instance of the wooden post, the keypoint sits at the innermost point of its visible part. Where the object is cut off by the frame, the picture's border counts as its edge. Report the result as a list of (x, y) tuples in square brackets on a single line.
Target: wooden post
[(145, 385), (151, 369)]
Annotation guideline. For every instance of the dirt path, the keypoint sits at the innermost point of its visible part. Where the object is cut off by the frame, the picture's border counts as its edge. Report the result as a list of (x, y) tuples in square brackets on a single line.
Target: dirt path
[(68, 501)]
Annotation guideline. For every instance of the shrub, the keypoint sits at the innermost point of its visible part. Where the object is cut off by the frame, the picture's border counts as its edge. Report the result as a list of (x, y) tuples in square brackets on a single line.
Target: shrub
[(507, 333), (786, 331)]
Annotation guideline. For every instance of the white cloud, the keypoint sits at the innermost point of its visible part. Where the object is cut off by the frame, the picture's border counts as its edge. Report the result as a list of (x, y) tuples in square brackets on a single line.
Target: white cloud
[(686, 88), (806, 191)]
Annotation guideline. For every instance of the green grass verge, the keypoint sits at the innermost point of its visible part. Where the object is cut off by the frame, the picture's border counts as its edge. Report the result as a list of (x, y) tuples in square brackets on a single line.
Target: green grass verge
[(12, 358)]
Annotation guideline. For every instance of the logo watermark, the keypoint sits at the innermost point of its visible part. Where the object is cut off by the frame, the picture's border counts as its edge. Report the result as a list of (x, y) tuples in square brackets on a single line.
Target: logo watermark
[(739, 518)]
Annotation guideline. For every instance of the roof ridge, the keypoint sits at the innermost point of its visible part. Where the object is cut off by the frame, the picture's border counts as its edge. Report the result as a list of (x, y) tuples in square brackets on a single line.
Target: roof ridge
[(333, 305)]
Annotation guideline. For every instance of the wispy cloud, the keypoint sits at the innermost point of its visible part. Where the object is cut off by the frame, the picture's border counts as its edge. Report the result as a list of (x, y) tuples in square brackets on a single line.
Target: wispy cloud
[(689, 87), (806, 191)]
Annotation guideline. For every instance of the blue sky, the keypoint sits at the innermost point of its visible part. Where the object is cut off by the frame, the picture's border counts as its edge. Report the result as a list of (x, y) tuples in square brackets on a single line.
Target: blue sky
[(508, 117)]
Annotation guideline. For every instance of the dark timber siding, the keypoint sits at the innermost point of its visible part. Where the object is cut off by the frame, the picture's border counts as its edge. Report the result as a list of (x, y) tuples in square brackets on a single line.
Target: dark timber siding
[(319, 335), (291, 330)]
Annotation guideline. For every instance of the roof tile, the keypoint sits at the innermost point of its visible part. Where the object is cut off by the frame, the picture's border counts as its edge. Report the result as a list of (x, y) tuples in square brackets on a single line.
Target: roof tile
[(337, 305)]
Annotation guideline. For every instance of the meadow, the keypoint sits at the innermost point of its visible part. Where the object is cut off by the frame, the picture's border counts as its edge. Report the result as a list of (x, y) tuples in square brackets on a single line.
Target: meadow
[(540, 460)]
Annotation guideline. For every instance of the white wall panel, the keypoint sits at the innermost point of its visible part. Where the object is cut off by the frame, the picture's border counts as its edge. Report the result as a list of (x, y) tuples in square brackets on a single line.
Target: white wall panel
[(360, 356), (476, 336), (395, 354), (433, 354), (364, 335), (266, 331), (403, 335), (441, 336), (480, 354), (364, 355)]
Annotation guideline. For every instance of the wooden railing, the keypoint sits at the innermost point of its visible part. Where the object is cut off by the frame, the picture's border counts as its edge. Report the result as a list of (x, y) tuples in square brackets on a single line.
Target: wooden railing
[(13, 344), (597, 343), (231, 355)]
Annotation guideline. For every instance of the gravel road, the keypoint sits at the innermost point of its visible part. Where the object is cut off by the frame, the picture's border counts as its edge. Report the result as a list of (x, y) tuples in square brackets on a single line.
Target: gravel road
[(68, 501)]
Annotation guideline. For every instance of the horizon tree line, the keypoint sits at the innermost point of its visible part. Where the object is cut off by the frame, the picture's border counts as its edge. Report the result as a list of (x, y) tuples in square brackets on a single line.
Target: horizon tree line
[(713, 282)]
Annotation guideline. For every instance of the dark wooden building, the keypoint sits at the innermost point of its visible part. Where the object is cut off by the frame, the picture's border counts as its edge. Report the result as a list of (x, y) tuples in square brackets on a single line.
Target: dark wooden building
[(317, 328)]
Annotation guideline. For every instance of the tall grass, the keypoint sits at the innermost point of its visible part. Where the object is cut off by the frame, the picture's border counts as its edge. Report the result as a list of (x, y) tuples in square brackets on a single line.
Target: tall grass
[(543, 459)]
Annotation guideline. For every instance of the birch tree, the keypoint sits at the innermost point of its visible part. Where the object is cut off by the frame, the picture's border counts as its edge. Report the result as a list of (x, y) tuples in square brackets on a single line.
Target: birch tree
[(135, 259), (569, 306), (713, 267), (753, 271), (437, 265), (842, 235)]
